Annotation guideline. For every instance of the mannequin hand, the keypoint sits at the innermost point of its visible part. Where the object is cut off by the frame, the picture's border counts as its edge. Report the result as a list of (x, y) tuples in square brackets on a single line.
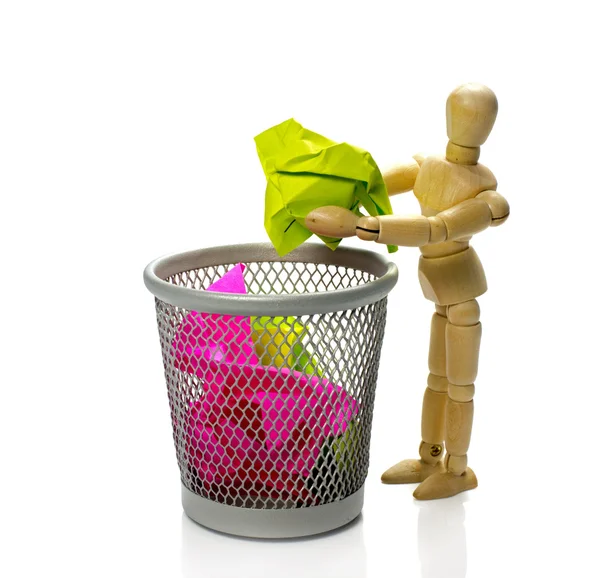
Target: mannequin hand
[(335, 222)]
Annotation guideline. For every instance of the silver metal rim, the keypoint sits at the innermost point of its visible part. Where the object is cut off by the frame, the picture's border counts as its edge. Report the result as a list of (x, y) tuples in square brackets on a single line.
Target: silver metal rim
[(271, 523), (296, 304)]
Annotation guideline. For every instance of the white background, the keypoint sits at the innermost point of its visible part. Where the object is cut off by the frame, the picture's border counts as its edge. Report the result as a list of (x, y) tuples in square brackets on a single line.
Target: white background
[(126, 132)]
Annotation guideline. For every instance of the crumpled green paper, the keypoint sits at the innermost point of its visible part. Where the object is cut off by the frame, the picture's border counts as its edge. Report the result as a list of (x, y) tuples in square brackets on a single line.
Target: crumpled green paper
[(306, 171), (278, 341)]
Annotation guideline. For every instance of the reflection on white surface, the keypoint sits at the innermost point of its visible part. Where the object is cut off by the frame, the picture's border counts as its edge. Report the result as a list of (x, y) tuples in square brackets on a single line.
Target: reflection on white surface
[(442, 538), (208, 554)]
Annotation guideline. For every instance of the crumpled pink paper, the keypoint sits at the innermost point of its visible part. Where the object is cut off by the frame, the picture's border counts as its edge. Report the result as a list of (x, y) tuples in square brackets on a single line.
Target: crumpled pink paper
[(212, 336), (257, 429), (262, 428)]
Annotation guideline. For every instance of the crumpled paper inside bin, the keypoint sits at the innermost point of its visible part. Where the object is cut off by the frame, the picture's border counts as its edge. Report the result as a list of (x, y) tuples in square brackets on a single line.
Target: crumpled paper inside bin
[(260, 425)]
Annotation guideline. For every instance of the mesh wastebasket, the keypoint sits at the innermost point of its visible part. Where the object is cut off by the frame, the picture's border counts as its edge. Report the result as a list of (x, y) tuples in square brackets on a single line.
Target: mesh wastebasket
[(271, 366)]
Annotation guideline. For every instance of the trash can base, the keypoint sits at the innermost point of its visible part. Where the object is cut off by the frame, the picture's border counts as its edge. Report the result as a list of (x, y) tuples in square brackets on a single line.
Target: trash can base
[(271, 523)]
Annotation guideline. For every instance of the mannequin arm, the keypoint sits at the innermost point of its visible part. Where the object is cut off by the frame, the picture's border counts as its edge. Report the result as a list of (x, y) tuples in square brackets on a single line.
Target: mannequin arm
[(463, 220)]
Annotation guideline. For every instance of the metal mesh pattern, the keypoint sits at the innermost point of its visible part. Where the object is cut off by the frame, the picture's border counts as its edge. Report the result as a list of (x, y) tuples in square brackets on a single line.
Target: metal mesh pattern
[(272, 412)]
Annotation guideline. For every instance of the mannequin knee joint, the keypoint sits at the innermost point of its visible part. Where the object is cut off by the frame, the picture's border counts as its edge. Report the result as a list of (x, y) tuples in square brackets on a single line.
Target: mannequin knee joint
[(464, 314), (461, 393)]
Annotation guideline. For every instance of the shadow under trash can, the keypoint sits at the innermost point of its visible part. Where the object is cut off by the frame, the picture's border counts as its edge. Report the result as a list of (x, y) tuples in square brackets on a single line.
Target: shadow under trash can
[(271, 366)]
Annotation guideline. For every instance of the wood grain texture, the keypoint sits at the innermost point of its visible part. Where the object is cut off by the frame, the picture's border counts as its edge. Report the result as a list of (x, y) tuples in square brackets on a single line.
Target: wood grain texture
[(459, 422), (467, 313), (444, 484), (401, 178), (367, 228), (456, 464), (441, 184), (453, 278), (466, 219), (433, 422), (438, 230), (462, 353), (420, 157), (404, 230), (437, 383), (471, 111), (498, 206), (331, 221), (444, 248), (411, 472), (437, 345), (462, 393), (462, 155)]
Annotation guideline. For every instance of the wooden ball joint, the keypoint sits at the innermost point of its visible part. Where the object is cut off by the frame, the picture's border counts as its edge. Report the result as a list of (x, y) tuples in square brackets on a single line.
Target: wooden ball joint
[(458, 198)]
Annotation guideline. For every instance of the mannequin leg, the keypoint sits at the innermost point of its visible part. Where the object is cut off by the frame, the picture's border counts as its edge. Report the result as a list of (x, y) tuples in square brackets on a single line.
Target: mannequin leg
[(463, 337), (433, 417)]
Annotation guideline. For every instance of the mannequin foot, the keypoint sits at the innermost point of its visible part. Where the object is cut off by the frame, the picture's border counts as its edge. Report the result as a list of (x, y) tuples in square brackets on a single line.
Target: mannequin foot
[(445, 484), (411, 472)]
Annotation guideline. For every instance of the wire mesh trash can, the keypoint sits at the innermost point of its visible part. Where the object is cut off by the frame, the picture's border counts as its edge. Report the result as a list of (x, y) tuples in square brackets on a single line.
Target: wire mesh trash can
[(271, 366)]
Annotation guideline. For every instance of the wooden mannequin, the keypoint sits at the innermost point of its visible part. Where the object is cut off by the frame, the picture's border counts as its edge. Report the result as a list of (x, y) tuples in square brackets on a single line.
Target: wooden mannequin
[(458, 198)]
